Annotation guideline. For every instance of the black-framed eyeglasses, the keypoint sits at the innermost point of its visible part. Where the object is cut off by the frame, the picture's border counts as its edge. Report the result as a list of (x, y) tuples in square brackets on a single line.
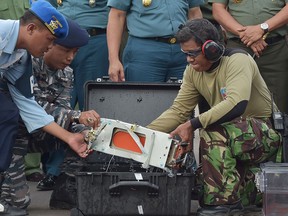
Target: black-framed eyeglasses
[(192, 53)]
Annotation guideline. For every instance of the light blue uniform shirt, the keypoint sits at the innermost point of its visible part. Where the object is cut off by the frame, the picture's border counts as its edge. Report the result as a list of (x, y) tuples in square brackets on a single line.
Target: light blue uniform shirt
[(162, 18), (83, 14), (13, 65)]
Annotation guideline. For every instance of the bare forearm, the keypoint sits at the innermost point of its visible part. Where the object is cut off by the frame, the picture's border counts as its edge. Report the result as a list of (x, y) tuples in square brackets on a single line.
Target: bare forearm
[(223, 17), (115, 29), (57, 131), (280, 19)]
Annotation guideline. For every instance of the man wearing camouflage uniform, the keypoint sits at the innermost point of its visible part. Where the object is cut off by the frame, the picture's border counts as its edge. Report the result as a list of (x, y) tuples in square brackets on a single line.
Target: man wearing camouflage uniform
[(52, 89), (236, 133)]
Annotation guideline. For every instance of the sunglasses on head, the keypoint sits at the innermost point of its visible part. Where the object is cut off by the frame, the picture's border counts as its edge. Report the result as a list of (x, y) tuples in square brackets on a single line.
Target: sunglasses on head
[(192, 53)]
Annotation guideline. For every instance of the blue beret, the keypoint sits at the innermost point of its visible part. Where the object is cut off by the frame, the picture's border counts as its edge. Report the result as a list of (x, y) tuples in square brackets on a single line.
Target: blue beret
[(76, 37), (51, 18)]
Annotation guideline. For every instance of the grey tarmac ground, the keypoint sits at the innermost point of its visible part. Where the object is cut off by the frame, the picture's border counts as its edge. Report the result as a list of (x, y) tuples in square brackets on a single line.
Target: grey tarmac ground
[(40, 203)]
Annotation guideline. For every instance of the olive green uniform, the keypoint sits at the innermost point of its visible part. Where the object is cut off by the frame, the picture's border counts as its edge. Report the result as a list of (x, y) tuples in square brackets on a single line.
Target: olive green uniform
[(273, 62), (8, 9)]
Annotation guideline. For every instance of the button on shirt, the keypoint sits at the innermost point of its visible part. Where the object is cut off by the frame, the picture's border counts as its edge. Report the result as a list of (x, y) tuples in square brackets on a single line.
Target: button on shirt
[(13, 64), (162, 18)]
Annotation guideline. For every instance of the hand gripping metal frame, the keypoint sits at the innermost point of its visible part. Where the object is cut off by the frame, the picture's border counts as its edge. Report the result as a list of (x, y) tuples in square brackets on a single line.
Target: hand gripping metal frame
[(149, 147)]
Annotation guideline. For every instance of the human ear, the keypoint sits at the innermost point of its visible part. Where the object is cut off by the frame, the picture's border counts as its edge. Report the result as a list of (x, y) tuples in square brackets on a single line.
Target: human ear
[(31, 27)]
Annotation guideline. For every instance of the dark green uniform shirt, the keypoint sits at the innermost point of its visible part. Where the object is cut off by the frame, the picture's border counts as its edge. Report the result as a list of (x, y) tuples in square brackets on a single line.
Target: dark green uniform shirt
[(254, 12)]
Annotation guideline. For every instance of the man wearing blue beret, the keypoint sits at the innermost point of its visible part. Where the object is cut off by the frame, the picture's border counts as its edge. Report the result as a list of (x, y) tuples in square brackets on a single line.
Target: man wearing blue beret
[(35, 32), (52, 90)]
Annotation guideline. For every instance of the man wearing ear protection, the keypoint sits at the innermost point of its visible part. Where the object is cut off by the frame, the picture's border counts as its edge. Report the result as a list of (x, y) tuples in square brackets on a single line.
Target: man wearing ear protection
[(236, 133)]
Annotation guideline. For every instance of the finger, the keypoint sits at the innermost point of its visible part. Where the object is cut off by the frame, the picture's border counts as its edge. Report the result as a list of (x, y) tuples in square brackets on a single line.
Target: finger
[(90, 120), (257, 54), (83, 154)]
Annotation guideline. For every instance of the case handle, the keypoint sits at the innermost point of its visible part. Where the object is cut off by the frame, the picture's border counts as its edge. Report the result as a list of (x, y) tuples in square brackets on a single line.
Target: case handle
[(114, 189)]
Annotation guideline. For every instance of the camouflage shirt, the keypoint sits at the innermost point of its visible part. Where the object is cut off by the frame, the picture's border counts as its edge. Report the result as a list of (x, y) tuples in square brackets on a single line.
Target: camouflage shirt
[(52, 90)]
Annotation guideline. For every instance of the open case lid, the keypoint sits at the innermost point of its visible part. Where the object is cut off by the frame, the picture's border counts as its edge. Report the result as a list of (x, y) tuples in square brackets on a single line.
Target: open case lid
[(131, 102)]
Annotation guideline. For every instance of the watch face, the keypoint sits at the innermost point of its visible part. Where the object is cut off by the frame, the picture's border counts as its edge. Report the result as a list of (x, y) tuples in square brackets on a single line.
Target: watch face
[(264, 26)]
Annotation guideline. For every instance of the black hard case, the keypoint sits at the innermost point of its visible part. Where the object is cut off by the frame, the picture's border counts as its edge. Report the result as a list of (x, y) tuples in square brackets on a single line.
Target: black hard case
[(130, 102), (103, 190)]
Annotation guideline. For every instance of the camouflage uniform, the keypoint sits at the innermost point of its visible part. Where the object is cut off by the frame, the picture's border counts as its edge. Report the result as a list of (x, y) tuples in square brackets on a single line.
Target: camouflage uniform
[(52, 91), (231, 153)]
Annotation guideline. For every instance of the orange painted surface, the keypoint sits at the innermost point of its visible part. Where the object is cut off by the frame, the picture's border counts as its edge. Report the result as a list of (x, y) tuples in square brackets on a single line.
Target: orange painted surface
[(122, 139)]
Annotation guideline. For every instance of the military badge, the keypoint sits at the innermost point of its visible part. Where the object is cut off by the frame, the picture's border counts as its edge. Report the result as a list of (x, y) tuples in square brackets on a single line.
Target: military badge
[(146, 3), (59, 2), (92, 3), (54, 24)]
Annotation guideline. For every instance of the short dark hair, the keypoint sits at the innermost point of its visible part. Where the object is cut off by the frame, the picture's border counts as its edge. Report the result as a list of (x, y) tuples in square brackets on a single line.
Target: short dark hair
[(29, 17), (200, 30)]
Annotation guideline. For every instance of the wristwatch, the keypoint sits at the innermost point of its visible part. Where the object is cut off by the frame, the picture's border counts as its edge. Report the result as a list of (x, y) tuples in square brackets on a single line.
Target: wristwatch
[(265, 27), (75, 116)]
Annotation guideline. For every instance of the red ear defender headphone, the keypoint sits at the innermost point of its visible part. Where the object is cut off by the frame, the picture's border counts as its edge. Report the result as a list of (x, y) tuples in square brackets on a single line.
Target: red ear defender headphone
[(212, 50)]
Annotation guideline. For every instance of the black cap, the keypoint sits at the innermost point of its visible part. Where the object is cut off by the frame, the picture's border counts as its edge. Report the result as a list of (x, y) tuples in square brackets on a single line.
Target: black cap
[(77, 37)]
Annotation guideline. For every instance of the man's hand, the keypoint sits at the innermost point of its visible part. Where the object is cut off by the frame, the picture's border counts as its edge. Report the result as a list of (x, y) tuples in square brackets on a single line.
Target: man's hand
[(77, 144), (250, 34), (90, 118), (116, 72), (185, 132), (258, 47)]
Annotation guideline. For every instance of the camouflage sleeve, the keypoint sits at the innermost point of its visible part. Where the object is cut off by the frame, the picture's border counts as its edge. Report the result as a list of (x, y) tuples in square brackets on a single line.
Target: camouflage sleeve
[(62, 115)]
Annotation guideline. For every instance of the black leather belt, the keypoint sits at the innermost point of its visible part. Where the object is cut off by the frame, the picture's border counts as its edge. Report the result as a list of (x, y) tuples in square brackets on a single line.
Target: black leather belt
[(96, 31), (275, 39), (170, 40), (269, 41)]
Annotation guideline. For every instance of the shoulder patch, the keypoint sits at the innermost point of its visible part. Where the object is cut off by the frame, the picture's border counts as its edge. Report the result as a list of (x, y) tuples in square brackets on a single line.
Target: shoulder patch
[(230, 51)]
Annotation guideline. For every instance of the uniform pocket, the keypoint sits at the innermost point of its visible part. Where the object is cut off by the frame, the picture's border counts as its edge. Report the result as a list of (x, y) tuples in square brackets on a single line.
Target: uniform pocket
[(252, 139), (3, 6)]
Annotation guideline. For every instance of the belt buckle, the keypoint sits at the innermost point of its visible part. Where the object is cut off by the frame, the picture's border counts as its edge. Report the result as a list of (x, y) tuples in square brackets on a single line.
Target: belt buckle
[(92, 32), (172, 40)]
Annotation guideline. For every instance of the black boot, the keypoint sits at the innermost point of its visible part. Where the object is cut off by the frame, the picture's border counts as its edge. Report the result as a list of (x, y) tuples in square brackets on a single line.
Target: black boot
[(48, 183), (221, 210)]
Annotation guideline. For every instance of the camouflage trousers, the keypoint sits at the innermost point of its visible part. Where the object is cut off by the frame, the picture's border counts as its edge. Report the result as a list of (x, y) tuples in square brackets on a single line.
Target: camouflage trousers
[(230, 156), (14, 188)]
